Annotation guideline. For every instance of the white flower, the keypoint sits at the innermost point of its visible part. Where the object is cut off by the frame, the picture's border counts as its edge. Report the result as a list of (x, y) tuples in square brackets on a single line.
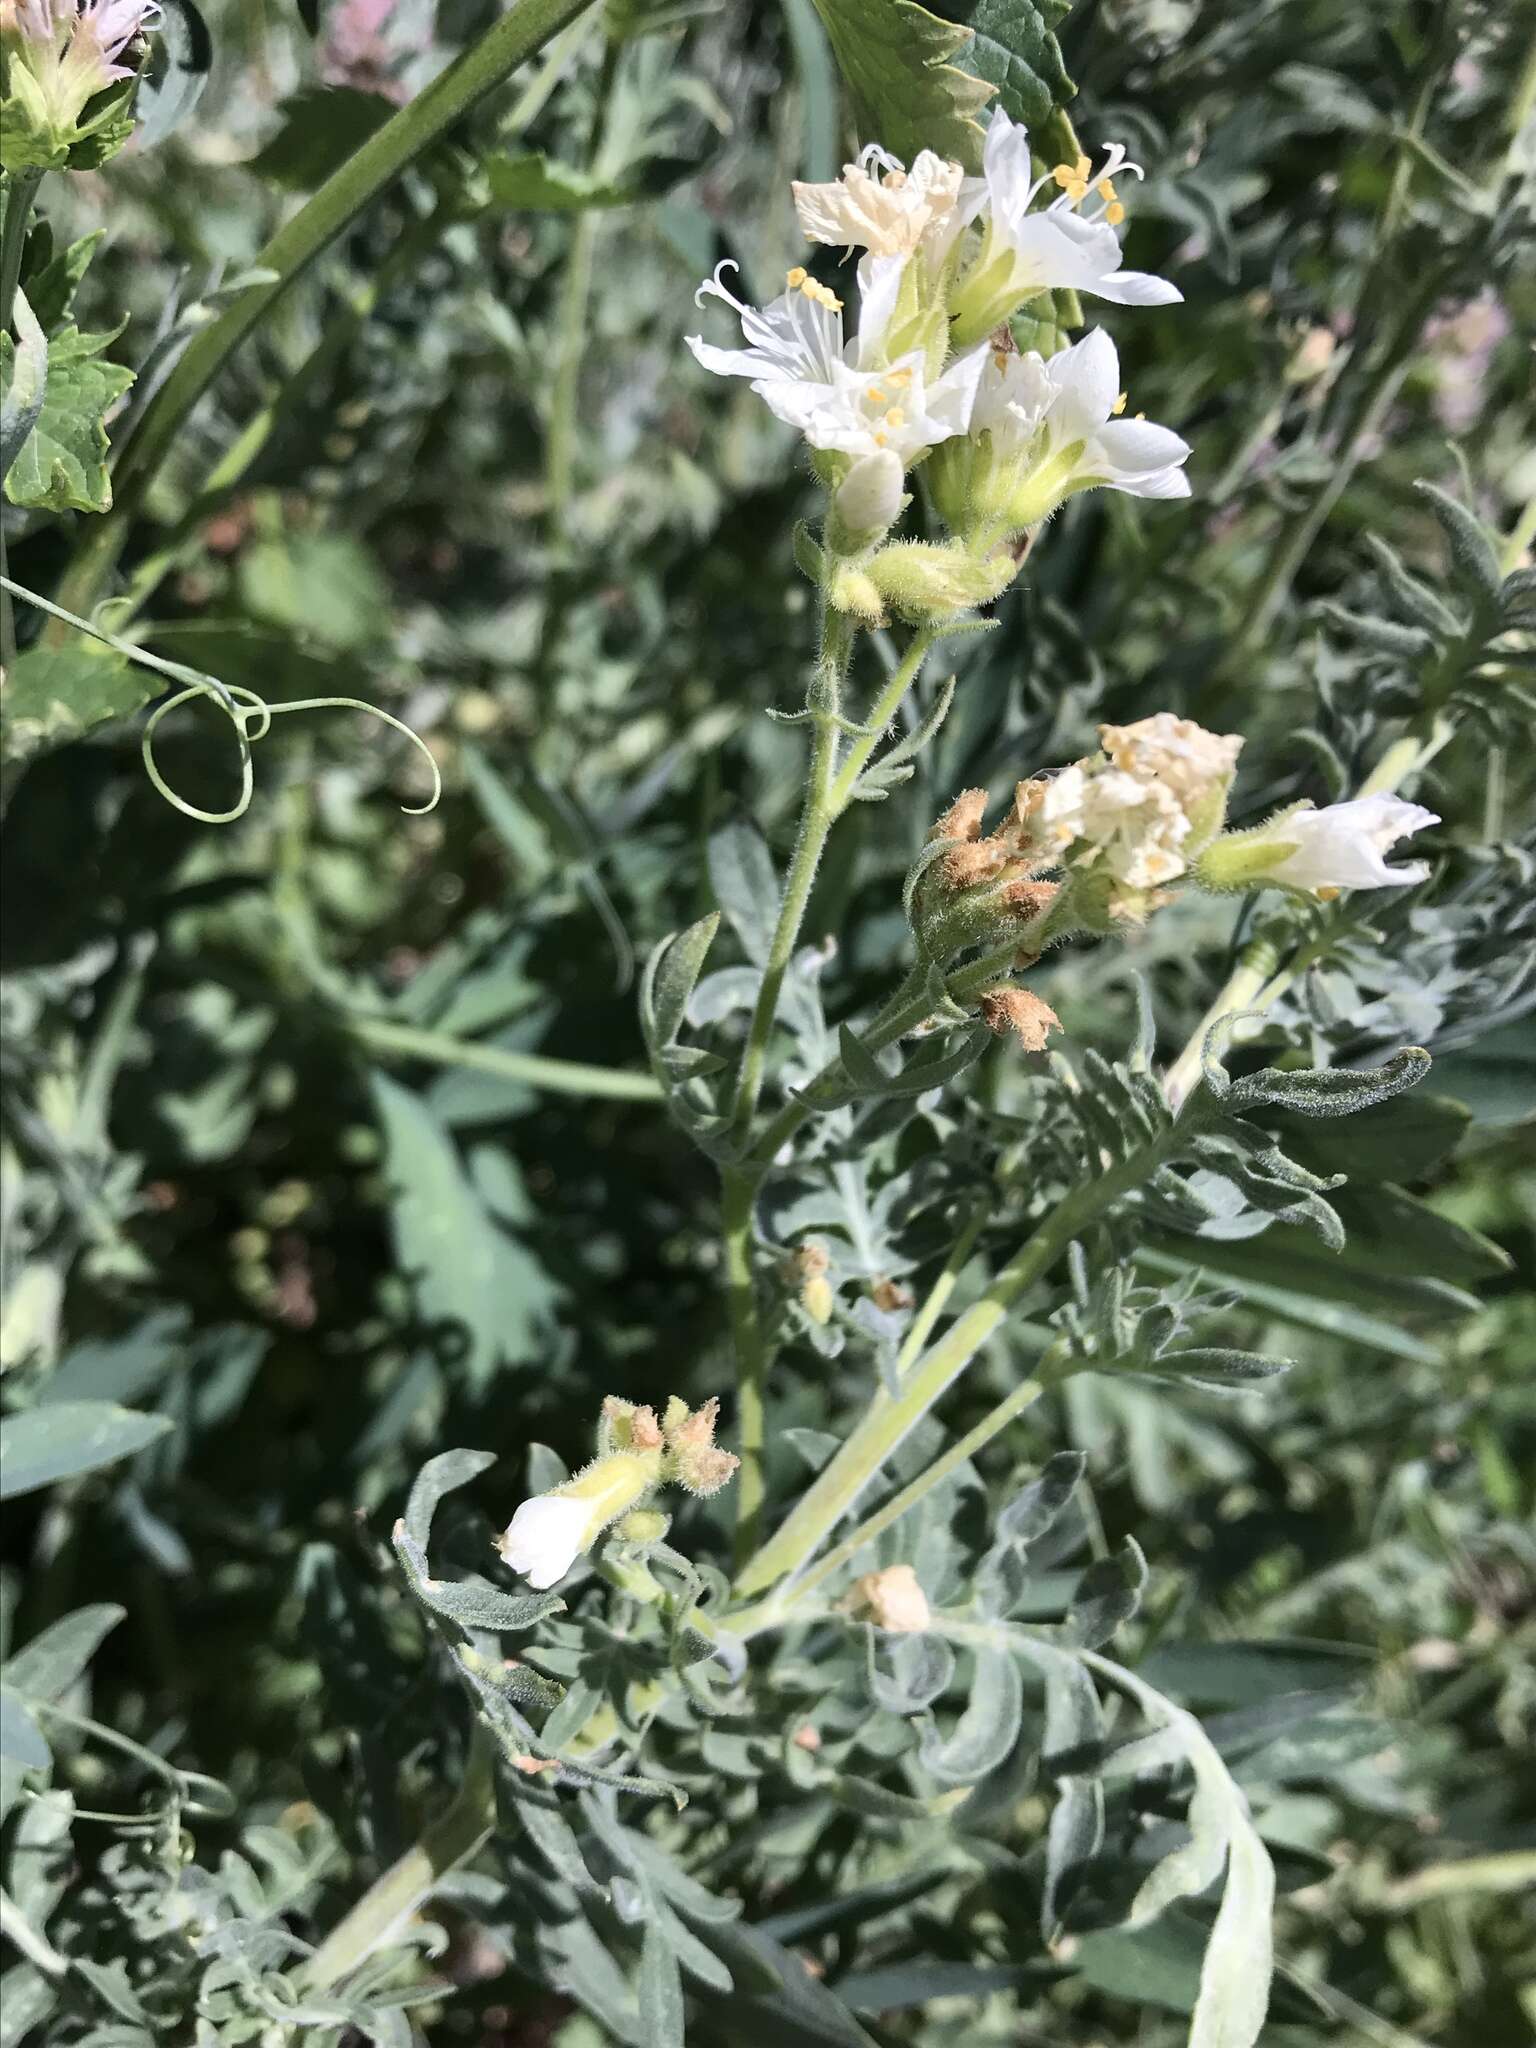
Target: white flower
[(1141, 809), (1053, 428), (1069, 244), (1342, 846), (545, 1537), (888, 210), (841, 395)]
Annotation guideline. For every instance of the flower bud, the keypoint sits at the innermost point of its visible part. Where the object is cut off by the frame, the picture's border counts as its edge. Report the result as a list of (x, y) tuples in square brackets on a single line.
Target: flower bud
[(867, 503), (694, 1460), (1014, 1009), (921, 581)]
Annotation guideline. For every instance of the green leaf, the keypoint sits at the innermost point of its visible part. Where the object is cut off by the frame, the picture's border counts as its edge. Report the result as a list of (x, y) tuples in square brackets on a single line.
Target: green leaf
[(988, 1728), (43, 1445), (51, 288), (1397, 1139), (20, 1737), (444, 1474), (53, 694), (1241, 1674), (48, 1665), (907, 95), (322, 127), (661, 1988), (535, 183), (742, 876), (326, 586), (1015, 50), (670, 976), (62, 466)]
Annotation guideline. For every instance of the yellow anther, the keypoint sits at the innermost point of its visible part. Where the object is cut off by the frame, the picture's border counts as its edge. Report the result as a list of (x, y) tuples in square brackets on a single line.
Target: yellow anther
[(796, 277), (898, 377), (1105, 189), (1141, 415), (879, 440), (1077, 191), (895, 418), (874, 395), (1083, 168), (1114, 214), (1064, 175), (1119, 405)]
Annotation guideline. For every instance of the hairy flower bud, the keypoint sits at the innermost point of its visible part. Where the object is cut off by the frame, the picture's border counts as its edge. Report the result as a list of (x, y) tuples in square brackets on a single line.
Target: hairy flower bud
[(920, 581), (867, 503), (60, 67)]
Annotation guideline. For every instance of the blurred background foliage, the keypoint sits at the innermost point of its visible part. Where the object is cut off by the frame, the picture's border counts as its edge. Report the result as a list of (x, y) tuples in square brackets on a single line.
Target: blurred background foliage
[(469, 472)]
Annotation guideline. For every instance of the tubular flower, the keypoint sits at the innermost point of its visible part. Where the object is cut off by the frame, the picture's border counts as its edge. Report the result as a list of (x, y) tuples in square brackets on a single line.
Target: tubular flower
[(1042, 431), (1343, 846), (843, 395), (879, 205), (1070, 243), (61, 55)]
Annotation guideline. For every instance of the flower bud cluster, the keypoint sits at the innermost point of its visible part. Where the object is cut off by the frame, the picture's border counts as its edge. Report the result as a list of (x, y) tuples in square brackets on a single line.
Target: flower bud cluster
[(931, 373), (637, 1453)]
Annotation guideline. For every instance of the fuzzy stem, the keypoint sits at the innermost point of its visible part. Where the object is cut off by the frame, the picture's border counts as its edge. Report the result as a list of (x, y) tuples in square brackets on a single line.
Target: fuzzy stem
[(510, 40), (21, 189), (391, 1900), (566, 1077), (938, 1295)]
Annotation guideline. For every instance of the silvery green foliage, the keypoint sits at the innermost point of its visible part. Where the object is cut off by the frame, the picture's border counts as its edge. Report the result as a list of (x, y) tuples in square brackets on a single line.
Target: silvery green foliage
[(1202, 1642)]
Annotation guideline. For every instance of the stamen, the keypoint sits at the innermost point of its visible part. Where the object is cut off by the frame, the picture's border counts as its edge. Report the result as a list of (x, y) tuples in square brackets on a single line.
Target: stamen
[(1118, 407), (796, 277), (895, 418), (874, 395), (1077, 191), (879, 440), (898, 377), (1083, 168), (1064, 175), (1114, 214), (1106, 189)]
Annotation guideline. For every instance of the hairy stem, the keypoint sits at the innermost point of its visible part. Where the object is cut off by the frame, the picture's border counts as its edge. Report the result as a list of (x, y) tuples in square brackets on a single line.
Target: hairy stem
[(390, 1901), (21, 190), (508, 42), (565, 1077)]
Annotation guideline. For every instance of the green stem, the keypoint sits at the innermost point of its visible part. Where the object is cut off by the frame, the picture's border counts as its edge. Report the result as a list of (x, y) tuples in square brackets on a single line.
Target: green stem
[(1256, 964), (889, 1418), (1012, 1405), (881, 713), (938, 1295), (385, 1907), (21, 190), (565, 1077), (507, 43), (571, 330), (750, 1351)]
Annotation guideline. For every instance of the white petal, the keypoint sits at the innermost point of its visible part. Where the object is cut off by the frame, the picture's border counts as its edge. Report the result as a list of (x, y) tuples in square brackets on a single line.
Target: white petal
[(1086, 378), (725, 362), (879, 284), (870, 495), (1136, 447), (545, 1537), (1135, 288)]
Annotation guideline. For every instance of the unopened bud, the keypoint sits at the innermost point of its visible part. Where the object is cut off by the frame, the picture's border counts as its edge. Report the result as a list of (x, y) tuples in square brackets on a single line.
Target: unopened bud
[(694, 1459), (867, 503), (854, 591), (890, 1295), (922, 581), (644, 1525)]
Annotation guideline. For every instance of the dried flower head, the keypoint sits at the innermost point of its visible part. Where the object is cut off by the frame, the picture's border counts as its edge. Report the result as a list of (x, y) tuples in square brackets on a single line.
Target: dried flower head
[(1014, 1009), (892, 1599)]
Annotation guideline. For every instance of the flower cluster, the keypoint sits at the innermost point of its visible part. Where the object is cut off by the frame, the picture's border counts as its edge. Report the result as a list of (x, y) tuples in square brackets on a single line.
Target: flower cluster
[(930, 371), (1098, 844), (61, 60), (637, 1453)]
